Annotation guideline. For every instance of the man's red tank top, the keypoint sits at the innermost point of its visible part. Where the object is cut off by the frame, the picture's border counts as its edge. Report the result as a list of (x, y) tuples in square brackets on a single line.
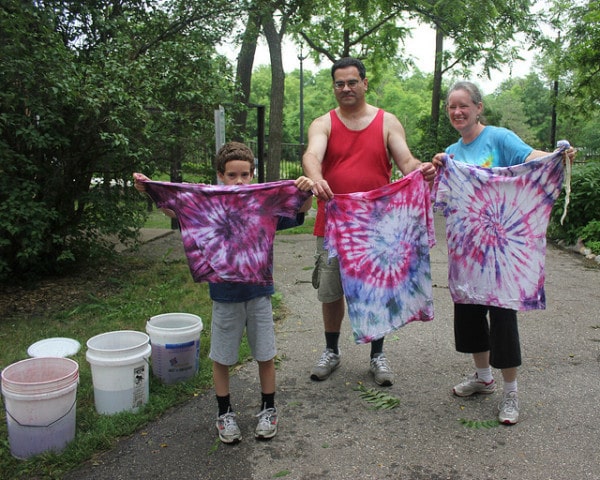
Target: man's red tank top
[(355, 161)]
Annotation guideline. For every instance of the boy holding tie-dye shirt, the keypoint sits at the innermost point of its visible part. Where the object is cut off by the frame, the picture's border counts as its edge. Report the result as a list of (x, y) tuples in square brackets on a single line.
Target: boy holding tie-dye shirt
[(219, 225)]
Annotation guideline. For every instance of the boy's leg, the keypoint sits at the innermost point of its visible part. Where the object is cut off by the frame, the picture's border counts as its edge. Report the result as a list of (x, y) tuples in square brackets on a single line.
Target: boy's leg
[(226, 334), (266, 373), (221, 379), (260, 332), (266, 427)]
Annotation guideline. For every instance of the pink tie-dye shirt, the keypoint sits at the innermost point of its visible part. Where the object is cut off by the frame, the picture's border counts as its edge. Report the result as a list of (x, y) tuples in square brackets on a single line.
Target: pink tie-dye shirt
[(496, 220), (228, 230), (382, 240)]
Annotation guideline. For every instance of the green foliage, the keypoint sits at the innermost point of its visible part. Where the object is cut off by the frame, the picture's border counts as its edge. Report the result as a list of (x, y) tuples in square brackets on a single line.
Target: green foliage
[(594, 245), (590, 234), (379, 400), (102, 98), (524, 106), (282, 473), (367, 30), (583, 211), (203, 172), (583, 52)]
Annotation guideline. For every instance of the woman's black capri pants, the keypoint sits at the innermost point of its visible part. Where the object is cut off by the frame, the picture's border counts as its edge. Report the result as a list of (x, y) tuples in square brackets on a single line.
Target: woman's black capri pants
[(473, 333)]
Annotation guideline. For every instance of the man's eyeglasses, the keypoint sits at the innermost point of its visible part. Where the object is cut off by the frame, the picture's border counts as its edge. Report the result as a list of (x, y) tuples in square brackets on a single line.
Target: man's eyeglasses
[(350, 83)]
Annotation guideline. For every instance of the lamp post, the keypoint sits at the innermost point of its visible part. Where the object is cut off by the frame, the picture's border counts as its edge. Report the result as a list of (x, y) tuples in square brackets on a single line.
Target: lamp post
[(301, 138)]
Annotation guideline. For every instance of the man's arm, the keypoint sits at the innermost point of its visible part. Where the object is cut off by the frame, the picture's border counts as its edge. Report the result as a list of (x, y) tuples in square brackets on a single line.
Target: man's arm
[(399, 151), (318, 136)]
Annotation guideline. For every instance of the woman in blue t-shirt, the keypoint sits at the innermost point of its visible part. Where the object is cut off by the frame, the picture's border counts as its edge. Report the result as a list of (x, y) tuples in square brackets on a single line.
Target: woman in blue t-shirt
[(495, 343)]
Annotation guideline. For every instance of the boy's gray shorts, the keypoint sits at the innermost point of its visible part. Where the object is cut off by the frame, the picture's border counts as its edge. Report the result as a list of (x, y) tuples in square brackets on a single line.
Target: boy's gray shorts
[(227, 329), (326, 276)]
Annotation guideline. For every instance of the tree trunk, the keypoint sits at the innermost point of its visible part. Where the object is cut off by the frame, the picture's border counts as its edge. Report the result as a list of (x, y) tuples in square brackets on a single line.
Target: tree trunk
[(277, 97), (243, 74), (437, 81)]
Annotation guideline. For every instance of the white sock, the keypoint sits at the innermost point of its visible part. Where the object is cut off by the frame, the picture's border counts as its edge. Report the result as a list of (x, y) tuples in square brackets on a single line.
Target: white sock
[(510, 387), (484, 374)]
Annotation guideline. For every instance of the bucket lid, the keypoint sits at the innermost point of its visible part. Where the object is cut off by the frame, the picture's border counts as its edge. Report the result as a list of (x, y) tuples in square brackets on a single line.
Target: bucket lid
[(54, 347)]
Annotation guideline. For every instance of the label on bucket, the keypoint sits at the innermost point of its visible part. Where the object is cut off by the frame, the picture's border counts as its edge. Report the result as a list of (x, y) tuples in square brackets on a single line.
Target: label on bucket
[(139, 386), (174, 362)]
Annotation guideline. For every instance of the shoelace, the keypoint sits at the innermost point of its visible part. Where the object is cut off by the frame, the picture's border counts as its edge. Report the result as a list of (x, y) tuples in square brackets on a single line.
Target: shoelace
[(324, 360), (264, 417), (382, 364), (229, 421), (509, 403)]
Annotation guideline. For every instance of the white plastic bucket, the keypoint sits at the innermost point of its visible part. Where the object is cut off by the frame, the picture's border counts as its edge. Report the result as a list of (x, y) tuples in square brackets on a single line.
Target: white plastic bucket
[(119, 362), (40, 396), (175, 340)]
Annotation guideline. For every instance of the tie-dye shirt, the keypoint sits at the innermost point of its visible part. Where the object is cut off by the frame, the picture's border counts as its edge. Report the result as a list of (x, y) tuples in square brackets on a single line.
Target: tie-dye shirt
[(496, 222), (228, 230), (382, 240)]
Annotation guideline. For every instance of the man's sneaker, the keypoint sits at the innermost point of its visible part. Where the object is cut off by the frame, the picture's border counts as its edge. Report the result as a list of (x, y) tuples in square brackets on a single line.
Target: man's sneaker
[(267, 424), (381, 370), (328, 362), (228, 429), (508, 409), (472, 385)]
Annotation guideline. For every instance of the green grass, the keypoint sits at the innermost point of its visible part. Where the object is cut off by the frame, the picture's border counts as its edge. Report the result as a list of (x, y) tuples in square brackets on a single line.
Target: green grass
[(157, 219), (138, 290), (307, 227)]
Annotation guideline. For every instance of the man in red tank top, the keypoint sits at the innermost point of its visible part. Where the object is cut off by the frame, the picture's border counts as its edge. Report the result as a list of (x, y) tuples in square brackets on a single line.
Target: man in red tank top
[(350, 149)]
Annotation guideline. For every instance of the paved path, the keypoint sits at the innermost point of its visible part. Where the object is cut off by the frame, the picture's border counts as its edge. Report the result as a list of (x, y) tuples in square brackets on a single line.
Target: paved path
[(328, 432)]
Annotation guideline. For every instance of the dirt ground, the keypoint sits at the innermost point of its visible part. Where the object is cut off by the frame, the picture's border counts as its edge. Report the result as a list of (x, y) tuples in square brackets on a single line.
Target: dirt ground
[(57, 293)]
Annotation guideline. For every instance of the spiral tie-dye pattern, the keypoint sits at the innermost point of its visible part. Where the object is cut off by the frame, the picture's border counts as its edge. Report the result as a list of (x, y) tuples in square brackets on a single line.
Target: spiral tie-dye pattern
[(496, 221), (382, 240), (228, 230)]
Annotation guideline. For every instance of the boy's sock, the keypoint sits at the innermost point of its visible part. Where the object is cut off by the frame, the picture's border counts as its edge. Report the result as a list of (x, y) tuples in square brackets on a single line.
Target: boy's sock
[(484, 374), (376, 347), (331, 341), (510, 387), (267, 400), (224, 404)]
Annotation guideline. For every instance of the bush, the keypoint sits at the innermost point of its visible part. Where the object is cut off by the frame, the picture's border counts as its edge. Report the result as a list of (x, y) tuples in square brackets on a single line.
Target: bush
[(199, 172), (583, 212)]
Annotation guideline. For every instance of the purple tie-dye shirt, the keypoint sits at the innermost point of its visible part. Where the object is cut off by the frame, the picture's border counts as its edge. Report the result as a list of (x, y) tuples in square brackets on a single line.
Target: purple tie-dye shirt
[(382, 240), (228, 230), (496, 222)]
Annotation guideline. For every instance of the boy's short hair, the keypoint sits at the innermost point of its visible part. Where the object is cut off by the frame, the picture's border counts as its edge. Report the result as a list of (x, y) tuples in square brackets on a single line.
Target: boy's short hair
[(233, 151)]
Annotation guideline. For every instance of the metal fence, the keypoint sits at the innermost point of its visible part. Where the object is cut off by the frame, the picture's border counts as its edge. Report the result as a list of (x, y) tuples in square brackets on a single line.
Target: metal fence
[(290, 164)]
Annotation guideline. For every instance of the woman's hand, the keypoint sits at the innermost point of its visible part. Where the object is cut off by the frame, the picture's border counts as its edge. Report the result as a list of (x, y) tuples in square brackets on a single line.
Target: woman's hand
[(438, 159)]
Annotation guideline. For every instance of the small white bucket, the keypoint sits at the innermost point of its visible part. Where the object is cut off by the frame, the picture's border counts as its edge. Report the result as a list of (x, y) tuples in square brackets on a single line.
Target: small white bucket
[(175, 340), (40, 396), (119, 362)]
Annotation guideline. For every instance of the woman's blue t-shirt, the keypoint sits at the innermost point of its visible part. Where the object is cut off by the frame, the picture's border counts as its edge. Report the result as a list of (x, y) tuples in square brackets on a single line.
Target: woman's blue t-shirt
[(494, 147)]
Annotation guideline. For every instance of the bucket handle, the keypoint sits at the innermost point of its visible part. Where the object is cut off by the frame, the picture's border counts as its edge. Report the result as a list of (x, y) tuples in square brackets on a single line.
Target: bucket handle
[(43, 426)]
